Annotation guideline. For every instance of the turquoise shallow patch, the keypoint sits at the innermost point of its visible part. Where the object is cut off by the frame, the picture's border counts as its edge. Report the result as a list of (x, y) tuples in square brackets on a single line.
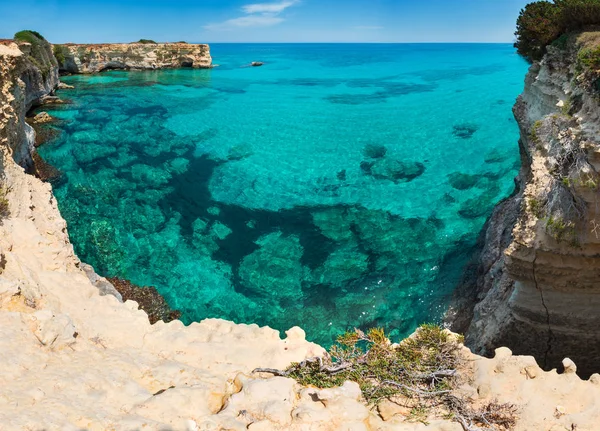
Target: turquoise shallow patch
[(336, 186)]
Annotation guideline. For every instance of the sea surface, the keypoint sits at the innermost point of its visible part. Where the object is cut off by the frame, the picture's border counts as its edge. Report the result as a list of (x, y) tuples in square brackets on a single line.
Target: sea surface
[(337, 186)]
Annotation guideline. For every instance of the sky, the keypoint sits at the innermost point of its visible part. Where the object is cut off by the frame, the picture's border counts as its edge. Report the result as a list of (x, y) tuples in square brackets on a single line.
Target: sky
[(94, 21)]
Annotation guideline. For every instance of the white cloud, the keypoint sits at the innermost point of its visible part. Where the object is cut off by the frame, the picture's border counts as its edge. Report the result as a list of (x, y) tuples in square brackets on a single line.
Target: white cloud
[(269, 8), (257, 15), (247, 21)]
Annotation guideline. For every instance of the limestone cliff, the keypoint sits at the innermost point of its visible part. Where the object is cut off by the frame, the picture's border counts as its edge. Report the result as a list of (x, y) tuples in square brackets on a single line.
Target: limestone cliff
[(37, 74), (75, 357), (76, 58), (536, 284)]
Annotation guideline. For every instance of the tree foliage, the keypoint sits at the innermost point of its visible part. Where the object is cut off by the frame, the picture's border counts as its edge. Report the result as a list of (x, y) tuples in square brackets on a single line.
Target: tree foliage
[(542, 22)]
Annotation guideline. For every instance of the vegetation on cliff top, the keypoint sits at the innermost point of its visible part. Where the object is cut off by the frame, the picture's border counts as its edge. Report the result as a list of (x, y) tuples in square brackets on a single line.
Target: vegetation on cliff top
[(542, 22), (39, 52), (60, 53), (419, 373)]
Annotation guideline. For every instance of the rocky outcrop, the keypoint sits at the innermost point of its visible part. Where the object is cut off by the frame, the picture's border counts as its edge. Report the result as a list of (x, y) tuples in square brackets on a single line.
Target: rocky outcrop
[(536, 283), (76, 58), (37, 75)]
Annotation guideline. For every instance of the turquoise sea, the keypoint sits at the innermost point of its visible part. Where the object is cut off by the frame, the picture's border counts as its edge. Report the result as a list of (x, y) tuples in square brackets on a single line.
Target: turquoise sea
[(337, 186)]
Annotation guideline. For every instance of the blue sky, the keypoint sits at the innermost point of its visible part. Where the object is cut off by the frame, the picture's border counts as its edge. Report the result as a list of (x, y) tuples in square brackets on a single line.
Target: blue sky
[(88, 21)]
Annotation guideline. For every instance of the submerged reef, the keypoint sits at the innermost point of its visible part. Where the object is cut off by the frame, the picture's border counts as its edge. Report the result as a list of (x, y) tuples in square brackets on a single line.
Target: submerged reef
[(344, 225)]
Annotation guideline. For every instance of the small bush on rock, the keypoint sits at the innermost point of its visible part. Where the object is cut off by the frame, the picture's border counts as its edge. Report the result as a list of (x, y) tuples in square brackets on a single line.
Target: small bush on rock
[(4, 208), (60, 53), (420, 372), (145, 41)]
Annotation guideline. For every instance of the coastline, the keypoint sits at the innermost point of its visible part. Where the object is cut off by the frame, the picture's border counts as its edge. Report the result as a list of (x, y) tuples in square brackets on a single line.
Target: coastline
[(167, 374)]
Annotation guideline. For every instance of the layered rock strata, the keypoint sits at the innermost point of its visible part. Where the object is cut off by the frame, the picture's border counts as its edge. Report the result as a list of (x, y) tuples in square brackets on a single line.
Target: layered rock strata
[(86, 58), (536, 283)]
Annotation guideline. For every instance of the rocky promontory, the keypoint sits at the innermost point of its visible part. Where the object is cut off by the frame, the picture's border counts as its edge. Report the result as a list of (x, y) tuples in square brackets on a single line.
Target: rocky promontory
[(536, 284), (92, 58)]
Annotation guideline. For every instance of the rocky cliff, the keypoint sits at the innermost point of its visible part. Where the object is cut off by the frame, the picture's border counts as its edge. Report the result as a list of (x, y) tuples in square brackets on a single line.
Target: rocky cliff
[(536, 283), (74, 356), (75, 58)]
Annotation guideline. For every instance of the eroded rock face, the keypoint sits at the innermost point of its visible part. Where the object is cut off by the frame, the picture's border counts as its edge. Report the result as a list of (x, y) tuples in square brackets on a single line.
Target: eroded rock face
[(87, 58), (536, 283)]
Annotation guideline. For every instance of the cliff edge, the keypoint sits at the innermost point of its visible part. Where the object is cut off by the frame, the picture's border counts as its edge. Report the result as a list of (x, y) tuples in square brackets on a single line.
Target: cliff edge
[(536, 285)]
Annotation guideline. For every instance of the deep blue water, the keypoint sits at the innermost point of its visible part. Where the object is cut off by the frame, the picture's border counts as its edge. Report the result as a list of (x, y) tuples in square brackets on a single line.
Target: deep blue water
[(336, 186)]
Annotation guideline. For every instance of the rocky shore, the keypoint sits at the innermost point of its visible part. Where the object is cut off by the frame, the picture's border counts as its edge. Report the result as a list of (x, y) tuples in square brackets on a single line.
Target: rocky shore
[(534, 286), (76, 357), (93, 58)]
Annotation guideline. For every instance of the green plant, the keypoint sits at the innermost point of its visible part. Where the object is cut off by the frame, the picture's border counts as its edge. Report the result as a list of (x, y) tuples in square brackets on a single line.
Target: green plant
[(561, 230), (420, 367), (537, 26), (543, 22), (4, 207), (419, 372), (60, 53), (561, 42), (589, 58), (535, 207), (534, 133), (39, 52), (145, 41), (29, 36)]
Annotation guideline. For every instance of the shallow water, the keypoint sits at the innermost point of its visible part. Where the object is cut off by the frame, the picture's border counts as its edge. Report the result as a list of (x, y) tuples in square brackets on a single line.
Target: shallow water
[(336, 186)]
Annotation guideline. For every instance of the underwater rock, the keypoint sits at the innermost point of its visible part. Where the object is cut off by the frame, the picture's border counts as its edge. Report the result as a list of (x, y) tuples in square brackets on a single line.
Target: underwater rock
[(148, 299), (344, 264), (274, 270), (335, 223), (464, 131), (461, 181), (239, 152), (396, 170), (496, 156), (373, 151), (341, 175)]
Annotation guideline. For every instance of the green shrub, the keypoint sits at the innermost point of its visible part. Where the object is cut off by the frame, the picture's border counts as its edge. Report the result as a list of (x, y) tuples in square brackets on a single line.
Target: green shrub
[(537, 26), (419, 373), (39, 53), (543, 22), (4, 208), (578, 14), (382, 370), (60, 53), (145, 41), (561, 230), (589, 58), (29, 36)]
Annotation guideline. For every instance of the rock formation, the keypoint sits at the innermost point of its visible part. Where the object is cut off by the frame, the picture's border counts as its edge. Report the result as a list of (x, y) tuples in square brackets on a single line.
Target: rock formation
[(86, 58), (536, 283), (75, 357)]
